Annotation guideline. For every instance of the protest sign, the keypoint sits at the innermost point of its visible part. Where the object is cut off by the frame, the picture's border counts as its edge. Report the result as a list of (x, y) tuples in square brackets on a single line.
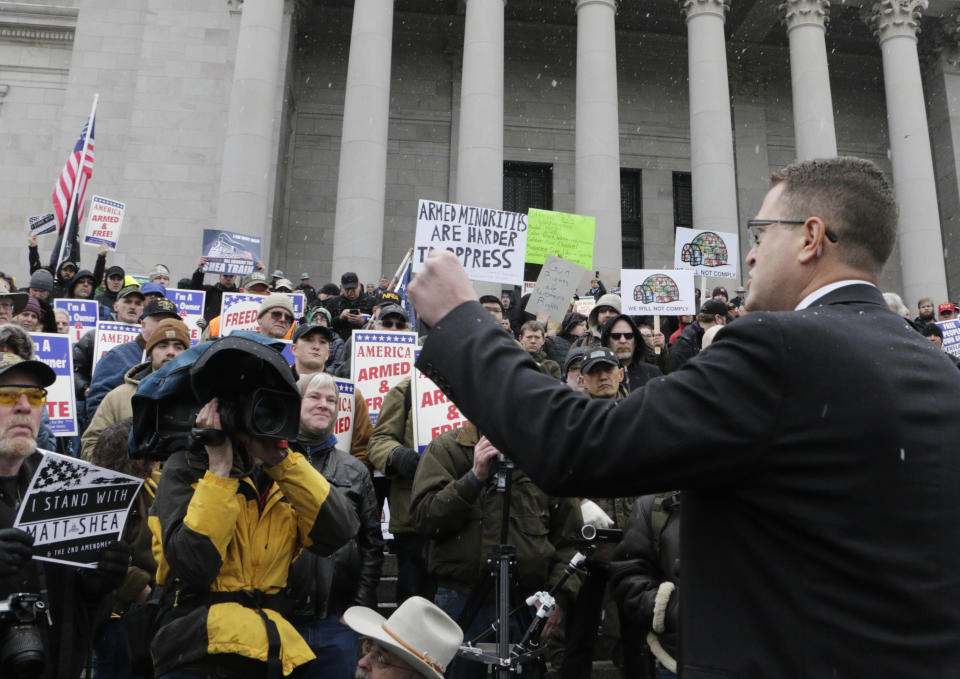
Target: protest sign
[(557, 282), (110, 335), (41, 224), (74, 509), (657, 291), (343, 429), (378, 362), (584, 305), (84, 314), (707, 253), (951, 336), (433, 413), (490, 244), (55, 351), (104, 219), (240, 310), (190, 304), (561, 234), (230, 253)]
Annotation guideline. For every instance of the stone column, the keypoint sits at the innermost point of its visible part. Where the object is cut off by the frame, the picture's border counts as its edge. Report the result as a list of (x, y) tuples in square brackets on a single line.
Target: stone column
[(812, 104), (895, 23), (598, 131), (711, 136), (248, 148), (480, 139), (361, 183)]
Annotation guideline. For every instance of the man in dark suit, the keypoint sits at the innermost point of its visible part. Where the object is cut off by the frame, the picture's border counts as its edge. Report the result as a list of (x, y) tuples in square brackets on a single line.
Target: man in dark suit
[(820, 529)]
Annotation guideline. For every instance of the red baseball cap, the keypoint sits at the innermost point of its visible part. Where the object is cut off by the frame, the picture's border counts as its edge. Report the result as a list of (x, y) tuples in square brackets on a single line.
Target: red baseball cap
[(946, 306)]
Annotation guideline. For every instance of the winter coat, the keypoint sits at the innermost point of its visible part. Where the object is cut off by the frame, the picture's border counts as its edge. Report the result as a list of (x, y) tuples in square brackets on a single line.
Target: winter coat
[(325, 586), (308, 292), (556, 348), (214, 296), (462, 518), (547, 367), (336, 305), (688, 344), (217, 537), (111, 369), (638, 569), (115, 407), (83, 363), (105, 313), (394, 429)]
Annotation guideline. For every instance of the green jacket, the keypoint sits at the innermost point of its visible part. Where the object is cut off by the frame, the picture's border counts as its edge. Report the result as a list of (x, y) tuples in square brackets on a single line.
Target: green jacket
[(394, 428), (462, 517)]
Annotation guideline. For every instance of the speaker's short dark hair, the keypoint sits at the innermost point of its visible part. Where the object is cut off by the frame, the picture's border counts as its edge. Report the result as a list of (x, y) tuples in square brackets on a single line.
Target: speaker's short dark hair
[(853, 197)]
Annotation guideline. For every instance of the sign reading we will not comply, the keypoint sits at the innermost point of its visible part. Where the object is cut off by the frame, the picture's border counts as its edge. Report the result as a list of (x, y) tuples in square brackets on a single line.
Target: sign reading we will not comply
[(490, 244)]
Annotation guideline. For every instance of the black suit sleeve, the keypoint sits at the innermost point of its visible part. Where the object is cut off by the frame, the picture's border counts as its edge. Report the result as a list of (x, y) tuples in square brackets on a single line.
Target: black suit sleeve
[(704, 424)]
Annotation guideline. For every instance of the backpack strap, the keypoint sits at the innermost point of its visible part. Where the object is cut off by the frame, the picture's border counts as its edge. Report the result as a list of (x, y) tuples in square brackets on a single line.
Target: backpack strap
[(659, 515)]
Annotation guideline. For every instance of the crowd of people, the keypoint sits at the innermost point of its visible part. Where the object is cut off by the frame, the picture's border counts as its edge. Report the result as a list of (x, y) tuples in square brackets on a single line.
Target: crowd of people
[(256, 553)]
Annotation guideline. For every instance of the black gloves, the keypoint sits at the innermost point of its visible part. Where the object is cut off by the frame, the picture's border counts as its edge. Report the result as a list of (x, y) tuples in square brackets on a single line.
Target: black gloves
[(110, 571), (403, 462), (15, 551)]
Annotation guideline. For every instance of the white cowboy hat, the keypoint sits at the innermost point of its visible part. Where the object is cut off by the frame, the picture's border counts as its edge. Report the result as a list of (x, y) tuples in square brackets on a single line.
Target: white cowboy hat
[(418, 632)]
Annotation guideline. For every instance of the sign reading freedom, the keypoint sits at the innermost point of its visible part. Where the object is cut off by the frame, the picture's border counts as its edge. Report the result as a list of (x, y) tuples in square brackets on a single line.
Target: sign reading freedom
[(561, 234)]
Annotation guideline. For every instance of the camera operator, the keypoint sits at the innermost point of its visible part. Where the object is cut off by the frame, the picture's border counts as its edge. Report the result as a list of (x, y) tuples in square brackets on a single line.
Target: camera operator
[(35, 642), (233, 510), (455, 504)]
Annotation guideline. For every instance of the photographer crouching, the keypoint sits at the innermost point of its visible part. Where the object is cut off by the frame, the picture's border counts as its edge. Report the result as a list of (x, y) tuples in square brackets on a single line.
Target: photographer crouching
[(47, 610), (233, 509)]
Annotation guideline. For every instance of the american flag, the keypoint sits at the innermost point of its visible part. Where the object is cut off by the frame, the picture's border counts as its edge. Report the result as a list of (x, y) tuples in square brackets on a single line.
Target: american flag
[(78, 164), (401, 291)]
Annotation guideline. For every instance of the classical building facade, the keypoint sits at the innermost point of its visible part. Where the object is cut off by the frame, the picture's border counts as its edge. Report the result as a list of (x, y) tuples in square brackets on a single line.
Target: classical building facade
[(318, 125)]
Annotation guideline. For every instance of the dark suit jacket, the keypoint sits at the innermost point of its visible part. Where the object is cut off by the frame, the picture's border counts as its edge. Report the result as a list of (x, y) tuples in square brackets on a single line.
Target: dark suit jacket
[(818, 454)]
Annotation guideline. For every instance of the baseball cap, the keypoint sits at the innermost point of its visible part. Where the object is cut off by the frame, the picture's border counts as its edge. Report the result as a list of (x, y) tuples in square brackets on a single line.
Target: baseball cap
[(277, 273), (392, 310), (349, 280), (130, 290), (255, 278), (946, 306), (596, 356), (575, 354), (283, 283), (308, 328), (387, 298), (304, 276), (153, 289), (714, 307), (160, 306), (169, 329), (116, 271), (38, 369)]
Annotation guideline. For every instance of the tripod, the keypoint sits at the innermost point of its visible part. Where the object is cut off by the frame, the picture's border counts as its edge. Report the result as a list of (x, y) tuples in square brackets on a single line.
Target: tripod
[(506, 659)]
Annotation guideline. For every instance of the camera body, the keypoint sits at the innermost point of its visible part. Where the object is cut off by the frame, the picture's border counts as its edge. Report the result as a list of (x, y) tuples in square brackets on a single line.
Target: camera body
[(254, 385), (22, 652)]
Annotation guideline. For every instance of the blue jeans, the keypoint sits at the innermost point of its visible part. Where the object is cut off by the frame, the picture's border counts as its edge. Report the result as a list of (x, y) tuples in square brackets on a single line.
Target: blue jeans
[(452, 603), (110, 655), (334, 643)]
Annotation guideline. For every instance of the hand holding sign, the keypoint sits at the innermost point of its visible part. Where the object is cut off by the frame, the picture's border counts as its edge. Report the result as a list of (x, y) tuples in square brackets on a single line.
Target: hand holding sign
[(440, 287)]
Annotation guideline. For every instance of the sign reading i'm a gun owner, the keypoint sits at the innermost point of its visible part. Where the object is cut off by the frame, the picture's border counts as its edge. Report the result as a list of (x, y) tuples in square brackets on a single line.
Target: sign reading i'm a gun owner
[(74, 509), (490, 244)]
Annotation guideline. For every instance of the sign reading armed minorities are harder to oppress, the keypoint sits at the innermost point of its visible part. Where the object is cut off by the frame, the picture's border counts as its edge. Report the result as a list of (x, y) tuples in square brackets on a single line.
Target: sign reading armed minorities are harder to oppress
[(490, 244), (378, 362), (74, 509)]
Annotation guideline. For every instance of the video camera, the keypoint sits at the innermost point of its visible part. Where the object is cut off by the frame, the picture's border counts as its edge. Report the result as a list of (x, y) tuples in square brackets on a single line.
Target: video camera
[(257, 392), (21, 644)]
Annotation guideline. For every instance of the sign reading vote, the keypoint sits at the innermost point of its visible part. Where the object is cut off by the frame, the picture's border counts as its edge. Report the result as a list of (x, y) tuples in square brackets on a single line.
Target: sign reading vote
[(708, 253), (84, 315), (343, 429), (557, 282), (433, 413), (490, 244), (241, 310), (190, 303), (379, 361), (74, 509), (229, 252), (103, 222), (667, 292), (561, 234), (55, 351), (110, 335)]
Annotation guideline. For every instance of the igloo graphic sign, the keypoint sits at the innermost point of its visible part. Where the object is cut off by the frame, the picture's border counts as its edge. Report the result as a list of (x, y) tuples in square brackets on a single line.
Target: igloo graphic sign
[(664, 292), (707, 253)]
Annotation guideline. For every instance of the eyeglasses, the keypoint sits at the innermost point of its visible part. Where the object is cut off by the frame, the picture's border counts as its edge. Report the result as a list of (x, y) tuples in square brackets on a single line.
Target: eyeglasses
[(379, 656), (756, 228), (280, 315), (10, 395), (621, 335), (390, 325)]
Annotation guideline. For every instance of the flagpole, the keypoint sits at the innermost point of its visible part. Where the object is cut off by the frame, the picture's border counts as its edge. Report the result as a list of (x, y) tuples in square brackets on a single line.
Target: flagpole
[(395, 281), (76, 185)]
